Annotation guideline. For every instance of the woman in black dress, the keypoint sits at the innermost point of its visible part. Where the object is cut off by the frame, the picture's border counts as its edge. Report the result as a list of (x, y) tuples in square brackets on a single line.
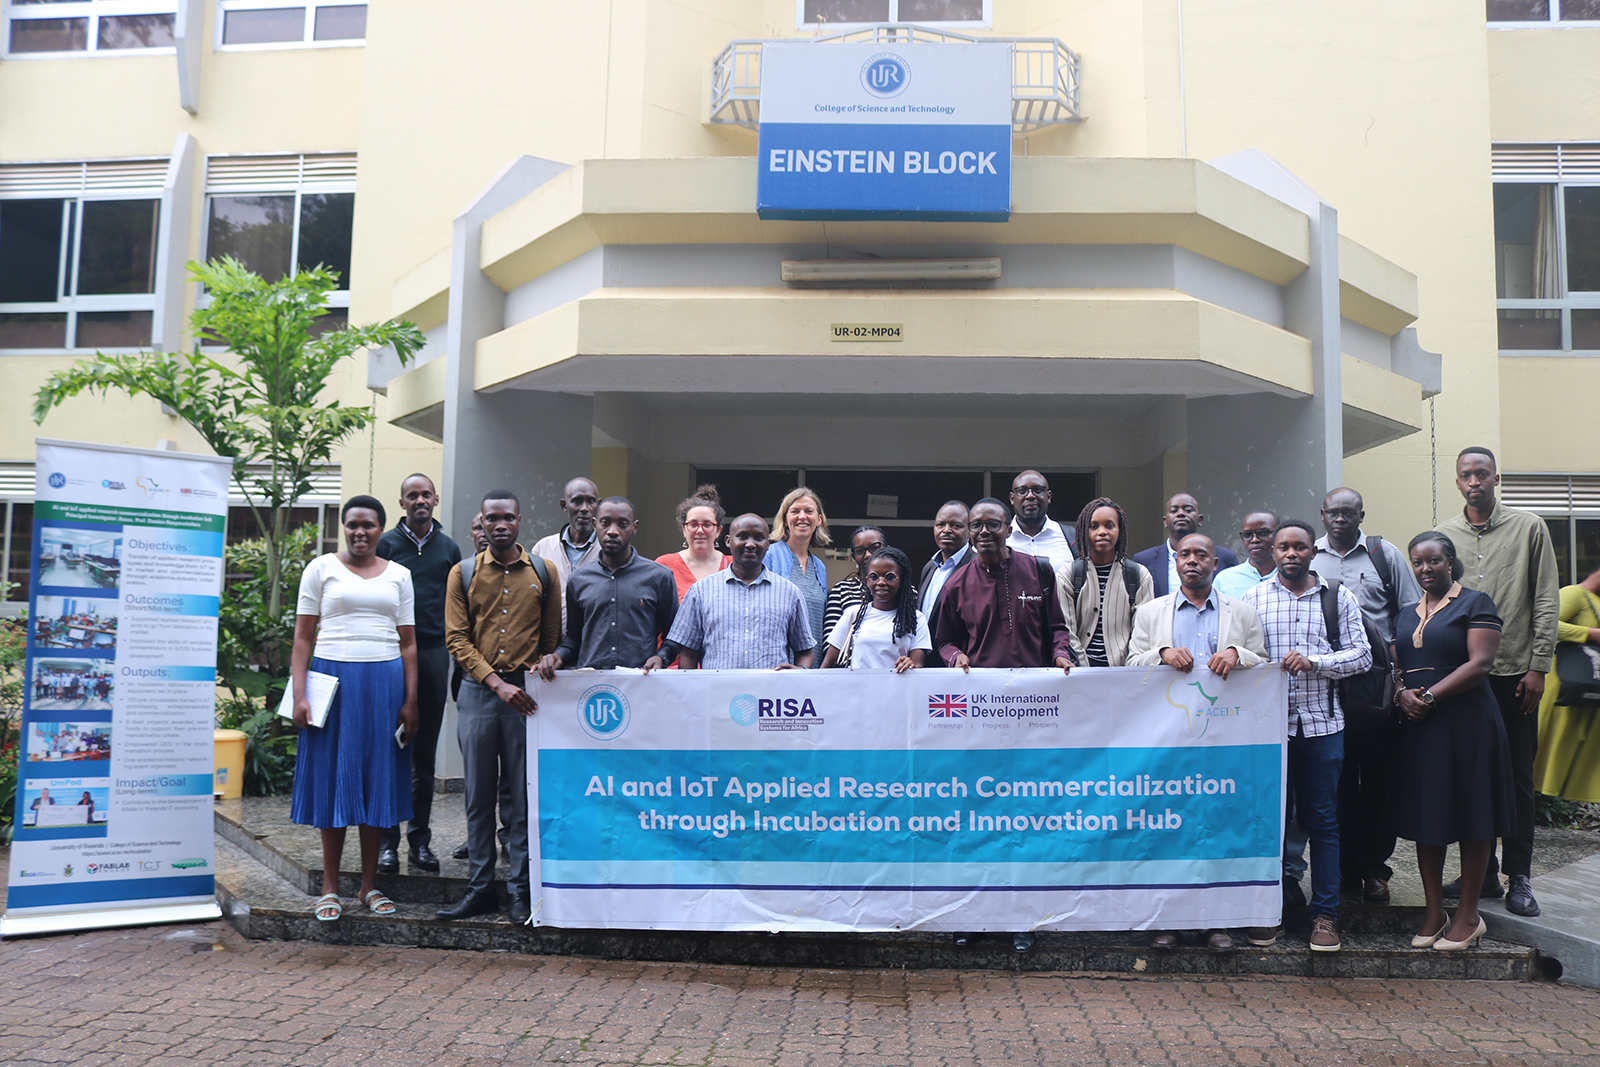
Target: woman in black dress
[(1454, 772)]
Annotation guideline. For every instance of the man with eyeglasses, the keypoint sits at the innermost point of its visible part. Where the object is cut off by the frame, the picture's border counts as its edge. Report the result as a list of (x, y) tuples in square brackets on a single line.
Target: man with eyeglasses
[(1034, 532), (1255, 534), (1379, 574)]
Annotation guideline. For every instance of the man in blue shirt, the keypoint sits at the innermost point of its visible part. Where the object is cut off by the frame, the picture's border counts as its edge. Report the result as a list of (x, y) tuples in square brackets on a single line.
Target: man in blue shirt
[(1255, 533)]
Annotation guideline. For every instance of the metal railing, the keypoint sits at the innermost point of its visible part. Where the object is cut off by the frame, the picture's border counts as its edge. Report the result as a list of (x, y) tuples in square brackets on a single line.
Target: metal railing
[(1044, 74)]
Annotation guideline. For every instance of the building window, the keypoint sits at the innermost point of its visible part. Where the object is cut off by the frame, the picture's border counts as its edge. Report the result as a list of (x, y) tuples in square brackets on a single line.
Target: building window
[(78, 247), (1547, 247), (1570, 506), (65, 27), (273, 23), (277, 214), (1522, 12), (821, 14)]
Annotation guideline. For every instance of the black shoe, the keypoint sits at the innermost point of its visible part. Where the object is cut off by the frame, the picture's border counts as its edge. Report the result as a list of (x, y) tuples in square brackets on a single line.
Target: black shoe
[(521, 912), (388, 861), (422, 858), (479, 903), (460, 853), (1519, 901), (1022, 942)]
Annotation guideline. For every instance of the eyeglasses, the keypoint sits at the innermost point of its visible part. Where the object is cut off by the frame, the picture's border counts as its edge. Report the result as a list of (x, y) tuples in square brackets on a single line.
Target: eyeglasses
[(989, 525), (1341, 513), (1030, 490), (864, 550), (1255, 535), (699, 524)]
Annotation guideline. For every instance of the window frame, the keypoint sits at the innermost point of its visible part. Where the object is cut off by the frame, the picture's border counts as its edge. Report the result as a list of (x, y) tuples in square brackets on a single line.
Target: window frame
[(308, 29), (1552, 21), (985, 23), (338, 298), (73, 305), (1584, 300), (94, 11)]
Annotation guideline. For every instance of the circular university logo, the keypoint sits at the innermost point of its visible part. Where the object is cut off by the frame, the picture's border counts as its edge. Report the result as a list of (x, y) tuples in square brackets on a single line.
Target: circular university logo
[(603, 713), (742, 709), (885, 75), (57, 480)]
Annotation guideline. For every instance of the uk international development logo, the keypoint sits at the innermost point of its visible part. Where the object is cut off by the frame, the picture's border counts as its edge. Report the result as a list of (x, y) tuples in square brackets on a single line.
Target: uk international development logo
[(947, 706), (603, 713), (885, 75)]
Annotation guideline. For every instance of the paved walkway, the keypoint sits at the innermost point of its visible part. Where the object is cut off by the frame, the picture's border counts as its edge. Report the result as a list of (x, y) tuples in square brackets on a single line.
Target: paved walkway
[(200, 995)]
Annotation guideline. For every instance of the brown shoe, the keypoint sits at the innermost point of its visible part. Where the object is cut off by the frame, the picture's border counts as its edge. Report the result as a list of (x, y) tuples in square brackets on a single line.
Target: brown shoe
[(1219, 942), (1165, 942), (1263, 936), (1375, 890), (1324, 934)]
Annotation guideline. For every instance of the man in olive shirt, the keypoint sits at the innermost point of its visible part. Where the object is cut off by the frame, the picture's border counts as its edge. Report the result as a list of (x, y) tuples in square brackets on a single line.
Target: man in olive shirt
[(1508, 554), (497, 630)]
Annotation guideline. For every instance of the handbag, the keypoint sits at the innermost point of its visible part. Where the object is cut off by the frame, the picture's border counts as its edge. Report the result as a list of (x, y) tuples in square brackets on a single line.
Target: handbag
[(1578, 668)]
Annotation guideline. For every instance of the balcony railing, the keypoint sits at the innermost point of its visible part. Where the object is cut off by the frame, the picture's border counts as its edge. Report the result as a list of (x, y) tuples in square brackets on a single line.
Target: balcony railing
[(1044, 74)]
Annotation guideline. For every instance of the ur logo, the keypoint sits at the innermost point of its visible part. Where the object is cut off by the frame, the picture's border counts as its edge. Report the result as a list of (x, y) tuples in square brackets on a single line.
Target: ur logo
[(603, 713), (57, 480), (1198, 713), (742, 709), (885, 75)]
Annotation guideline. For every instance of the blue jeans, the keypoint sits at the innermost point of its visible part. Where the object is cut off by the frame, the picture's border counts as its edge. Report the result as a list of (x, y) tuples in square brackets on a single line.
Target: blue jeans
[(1314, 766)]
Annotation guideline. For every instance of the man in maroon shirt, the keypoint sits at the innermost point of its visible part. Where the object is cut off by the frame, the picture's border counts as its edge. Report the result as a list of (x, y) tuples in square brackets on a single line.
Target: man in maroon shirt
[(1001, 609)]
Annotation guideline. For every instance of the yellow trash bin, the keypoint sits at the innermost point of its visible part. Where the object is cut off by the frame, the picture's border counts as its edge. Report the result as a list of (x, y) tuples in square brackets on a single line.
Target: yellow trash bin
[(229, 779)]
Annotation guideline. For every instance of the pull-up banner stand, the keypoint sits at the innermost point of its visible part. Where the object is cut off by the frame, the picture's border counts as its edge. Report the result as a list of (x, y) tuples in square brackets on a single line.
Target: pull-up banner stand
[(113, 812), (1116, 799)]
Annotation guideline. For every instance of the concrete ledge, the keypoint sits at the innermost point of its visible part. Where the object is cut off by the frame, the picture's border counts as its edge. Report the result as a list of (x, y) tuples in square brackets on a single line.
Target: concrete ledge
[(1567, 930)]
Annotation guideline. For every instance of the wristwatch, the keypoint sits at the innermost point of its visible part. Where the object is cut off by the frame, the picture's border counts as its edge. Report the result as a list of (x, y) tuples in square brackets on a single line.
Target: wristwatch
[(1426, 696), (1316, 662)]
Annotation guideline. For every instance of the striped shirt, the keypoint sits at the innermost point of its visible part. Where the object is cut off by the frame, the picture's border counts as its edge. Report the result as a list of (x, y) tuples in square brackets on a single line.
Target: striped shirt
[(1294, 622), (737, 626)]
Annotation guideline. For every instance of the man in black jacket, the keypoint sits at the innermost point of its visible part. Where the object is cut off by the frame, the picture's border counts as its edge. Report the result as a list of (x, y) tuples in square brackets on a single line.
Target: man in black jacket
[(419, 544), (1181, 518)]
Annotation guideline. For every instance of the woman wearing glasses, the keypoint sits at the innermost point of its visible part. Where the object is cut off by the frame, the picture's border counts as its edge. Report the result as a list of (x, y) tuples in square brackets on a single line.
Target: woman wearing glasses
[(701, 517), (853, 590)]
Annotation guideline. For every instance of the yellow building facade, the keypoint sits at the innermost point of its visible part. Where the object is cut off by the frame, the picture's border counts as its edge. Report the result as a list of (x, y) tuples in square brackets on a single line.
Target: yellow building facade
[(1252, 250)]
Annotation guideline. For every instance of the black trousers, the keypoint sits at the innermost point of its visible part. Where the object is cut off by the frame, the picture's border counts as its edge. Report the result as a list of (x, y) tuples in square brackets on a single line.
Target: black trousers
[(433, 680), (1365, 840), (1522, 731)]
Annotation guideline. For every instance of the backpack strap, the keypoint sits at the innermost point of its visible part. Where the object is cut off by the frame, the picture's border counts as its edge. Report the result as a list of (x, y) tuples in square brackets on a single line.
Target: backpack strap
[(1130, 579), (469, 564), (1080, 575), (1330, 610), (1380, 563)]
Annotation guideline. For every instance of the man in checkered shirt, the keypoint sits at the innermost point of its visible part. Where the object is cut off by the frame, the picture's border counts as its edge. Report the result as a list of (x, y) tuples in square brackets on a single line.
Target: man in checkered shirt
[(1291, 611)]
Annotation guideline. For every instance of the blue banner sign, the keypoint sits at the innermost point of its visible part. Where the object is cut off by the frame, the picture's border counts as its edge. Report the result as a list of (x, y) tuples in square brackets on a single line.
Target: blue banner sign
[(885, 132)]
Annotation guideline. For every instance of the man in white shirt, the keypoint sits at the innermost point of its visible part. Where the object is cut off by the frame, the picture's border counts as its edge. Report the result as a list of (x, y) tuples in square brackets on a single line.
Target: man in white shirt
[(1034, 532)]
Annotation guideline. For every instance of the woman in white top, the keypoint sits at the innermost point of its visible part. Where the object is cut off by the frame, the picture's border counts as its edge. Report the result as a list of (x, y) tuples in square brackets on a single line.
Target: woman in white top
[(356, 613), (888, 632)]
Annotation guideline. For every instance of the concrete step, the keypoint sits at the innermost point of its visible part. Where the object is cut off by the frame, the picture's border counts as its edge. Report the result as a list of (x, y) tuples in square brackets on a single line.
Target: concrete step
[(262, 904)]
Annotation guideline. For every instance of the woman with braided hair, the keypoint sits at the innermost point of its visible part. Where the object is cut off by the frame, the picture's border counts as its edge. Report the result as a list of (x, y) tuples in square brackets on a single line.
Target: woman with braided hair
[(886, 632), (1100, 591)]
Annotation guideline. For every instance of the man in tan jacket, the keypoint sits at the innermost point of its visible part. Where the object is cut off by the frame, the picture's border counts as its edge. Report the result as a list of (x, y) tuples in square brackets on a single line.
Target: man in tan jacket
[(1197, 622)]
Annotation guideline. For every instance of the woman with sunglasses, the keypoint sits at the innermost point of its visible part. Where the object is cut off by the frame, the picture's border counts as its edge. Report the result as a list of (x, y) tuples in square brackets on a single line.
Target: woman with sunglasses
[(853, 590), (701, 517)]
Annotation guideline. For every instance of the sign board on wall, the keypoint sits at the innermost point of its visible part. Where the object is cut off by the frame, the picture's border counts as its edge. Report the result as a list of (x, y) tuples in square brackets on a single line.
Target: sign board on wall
[(873, 131)]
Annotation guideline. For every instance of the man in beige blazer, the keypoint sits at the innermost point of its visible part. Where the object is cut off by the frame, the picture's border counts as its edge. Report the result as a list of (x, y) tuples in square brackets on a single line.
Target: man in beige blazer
[(1226, 630)]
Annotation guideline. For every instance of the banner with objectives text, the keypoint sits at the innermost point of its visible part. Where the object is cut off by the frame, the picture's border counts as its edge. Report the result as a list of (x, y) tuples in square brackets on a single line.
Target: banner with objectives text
[(1125, 798), (113, 819)]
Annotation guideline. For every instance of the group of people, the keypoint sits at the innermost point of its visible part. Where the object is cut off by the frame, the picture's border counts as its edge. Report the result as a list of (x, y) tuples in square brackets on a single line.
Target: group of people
[(70, 685), (1456, 630), (70, 742), (79, 630)]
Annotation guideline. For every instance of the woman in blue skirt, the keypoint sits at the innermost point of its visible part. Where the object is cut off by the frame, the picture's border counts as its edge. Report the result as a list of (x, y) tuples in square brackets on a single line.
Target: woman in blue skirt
[(355, 621)]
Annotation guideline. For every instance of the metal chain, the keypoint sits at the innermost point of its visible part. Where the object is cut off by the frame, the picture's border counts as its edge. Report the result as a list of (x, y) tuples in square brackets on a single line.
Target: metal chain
[(1433, 454)]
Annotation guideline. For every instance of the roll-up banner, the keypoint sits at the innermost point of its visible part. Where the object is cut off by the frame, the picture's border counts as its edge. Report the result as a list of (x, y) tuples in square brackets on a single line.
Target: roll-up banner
[(1117, 799), (885, 131), (114, 809)]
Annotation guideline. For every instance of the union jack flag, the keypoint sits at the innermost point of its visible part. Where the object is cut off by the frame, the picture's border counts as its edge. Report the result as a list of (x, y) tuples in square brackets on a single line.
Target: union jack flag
[(947, 705)]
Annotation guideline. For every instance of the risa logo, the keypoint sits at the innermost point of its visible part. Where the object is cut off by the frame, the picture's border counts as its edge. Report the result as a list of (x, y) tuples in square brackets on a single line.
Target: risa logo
[(774, 713), (107, 483)]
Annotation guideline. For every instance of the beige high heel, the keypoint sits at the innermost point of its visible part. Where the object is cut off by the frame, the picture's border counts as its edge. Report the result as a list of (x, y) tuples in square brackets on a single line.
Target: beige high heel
[(1442, 945), (1424, 941)]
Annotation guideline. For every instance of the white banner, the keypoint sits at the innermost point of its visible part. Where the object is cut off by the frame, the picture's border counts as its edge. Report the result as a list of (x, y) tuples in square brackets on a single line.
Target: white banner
[(114, 810), (863, 800)]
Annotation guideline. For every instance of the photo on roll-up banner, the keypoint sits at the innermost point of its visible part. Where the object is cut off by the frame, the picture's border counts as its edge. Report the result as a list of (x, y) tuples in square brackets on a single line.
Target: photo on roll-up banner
[(114, 815)]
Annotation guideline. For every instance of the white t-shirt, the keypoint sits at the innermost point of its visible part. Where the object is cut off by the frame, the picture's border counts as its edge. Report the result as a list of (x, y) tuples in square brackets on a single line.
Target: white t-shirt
[(875, 646), (359, 615)]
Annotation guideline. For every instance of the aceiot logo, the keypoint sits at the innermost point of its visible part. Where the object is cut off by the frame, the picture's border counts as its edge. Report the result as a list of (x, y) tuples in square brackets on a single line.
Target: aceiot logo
[(603, 713), (885, 75)]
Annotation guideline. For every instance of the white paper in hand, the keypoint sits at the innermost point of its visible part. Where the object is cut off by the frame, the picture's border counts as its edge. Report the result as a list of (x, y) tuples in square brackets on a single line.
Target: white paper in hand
[(320, 690)]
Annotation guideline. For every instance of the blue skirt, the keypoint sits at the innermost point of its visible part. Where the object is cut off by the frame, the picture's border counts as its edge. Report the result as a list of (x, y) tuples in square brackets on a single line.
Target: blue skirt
[(350, 772)]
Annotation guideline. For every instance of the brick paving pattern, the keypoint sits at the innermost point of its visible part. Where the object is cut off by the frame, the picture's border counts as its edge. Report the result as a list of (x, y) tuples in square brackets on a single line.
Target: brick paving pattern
[(201, 995)]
